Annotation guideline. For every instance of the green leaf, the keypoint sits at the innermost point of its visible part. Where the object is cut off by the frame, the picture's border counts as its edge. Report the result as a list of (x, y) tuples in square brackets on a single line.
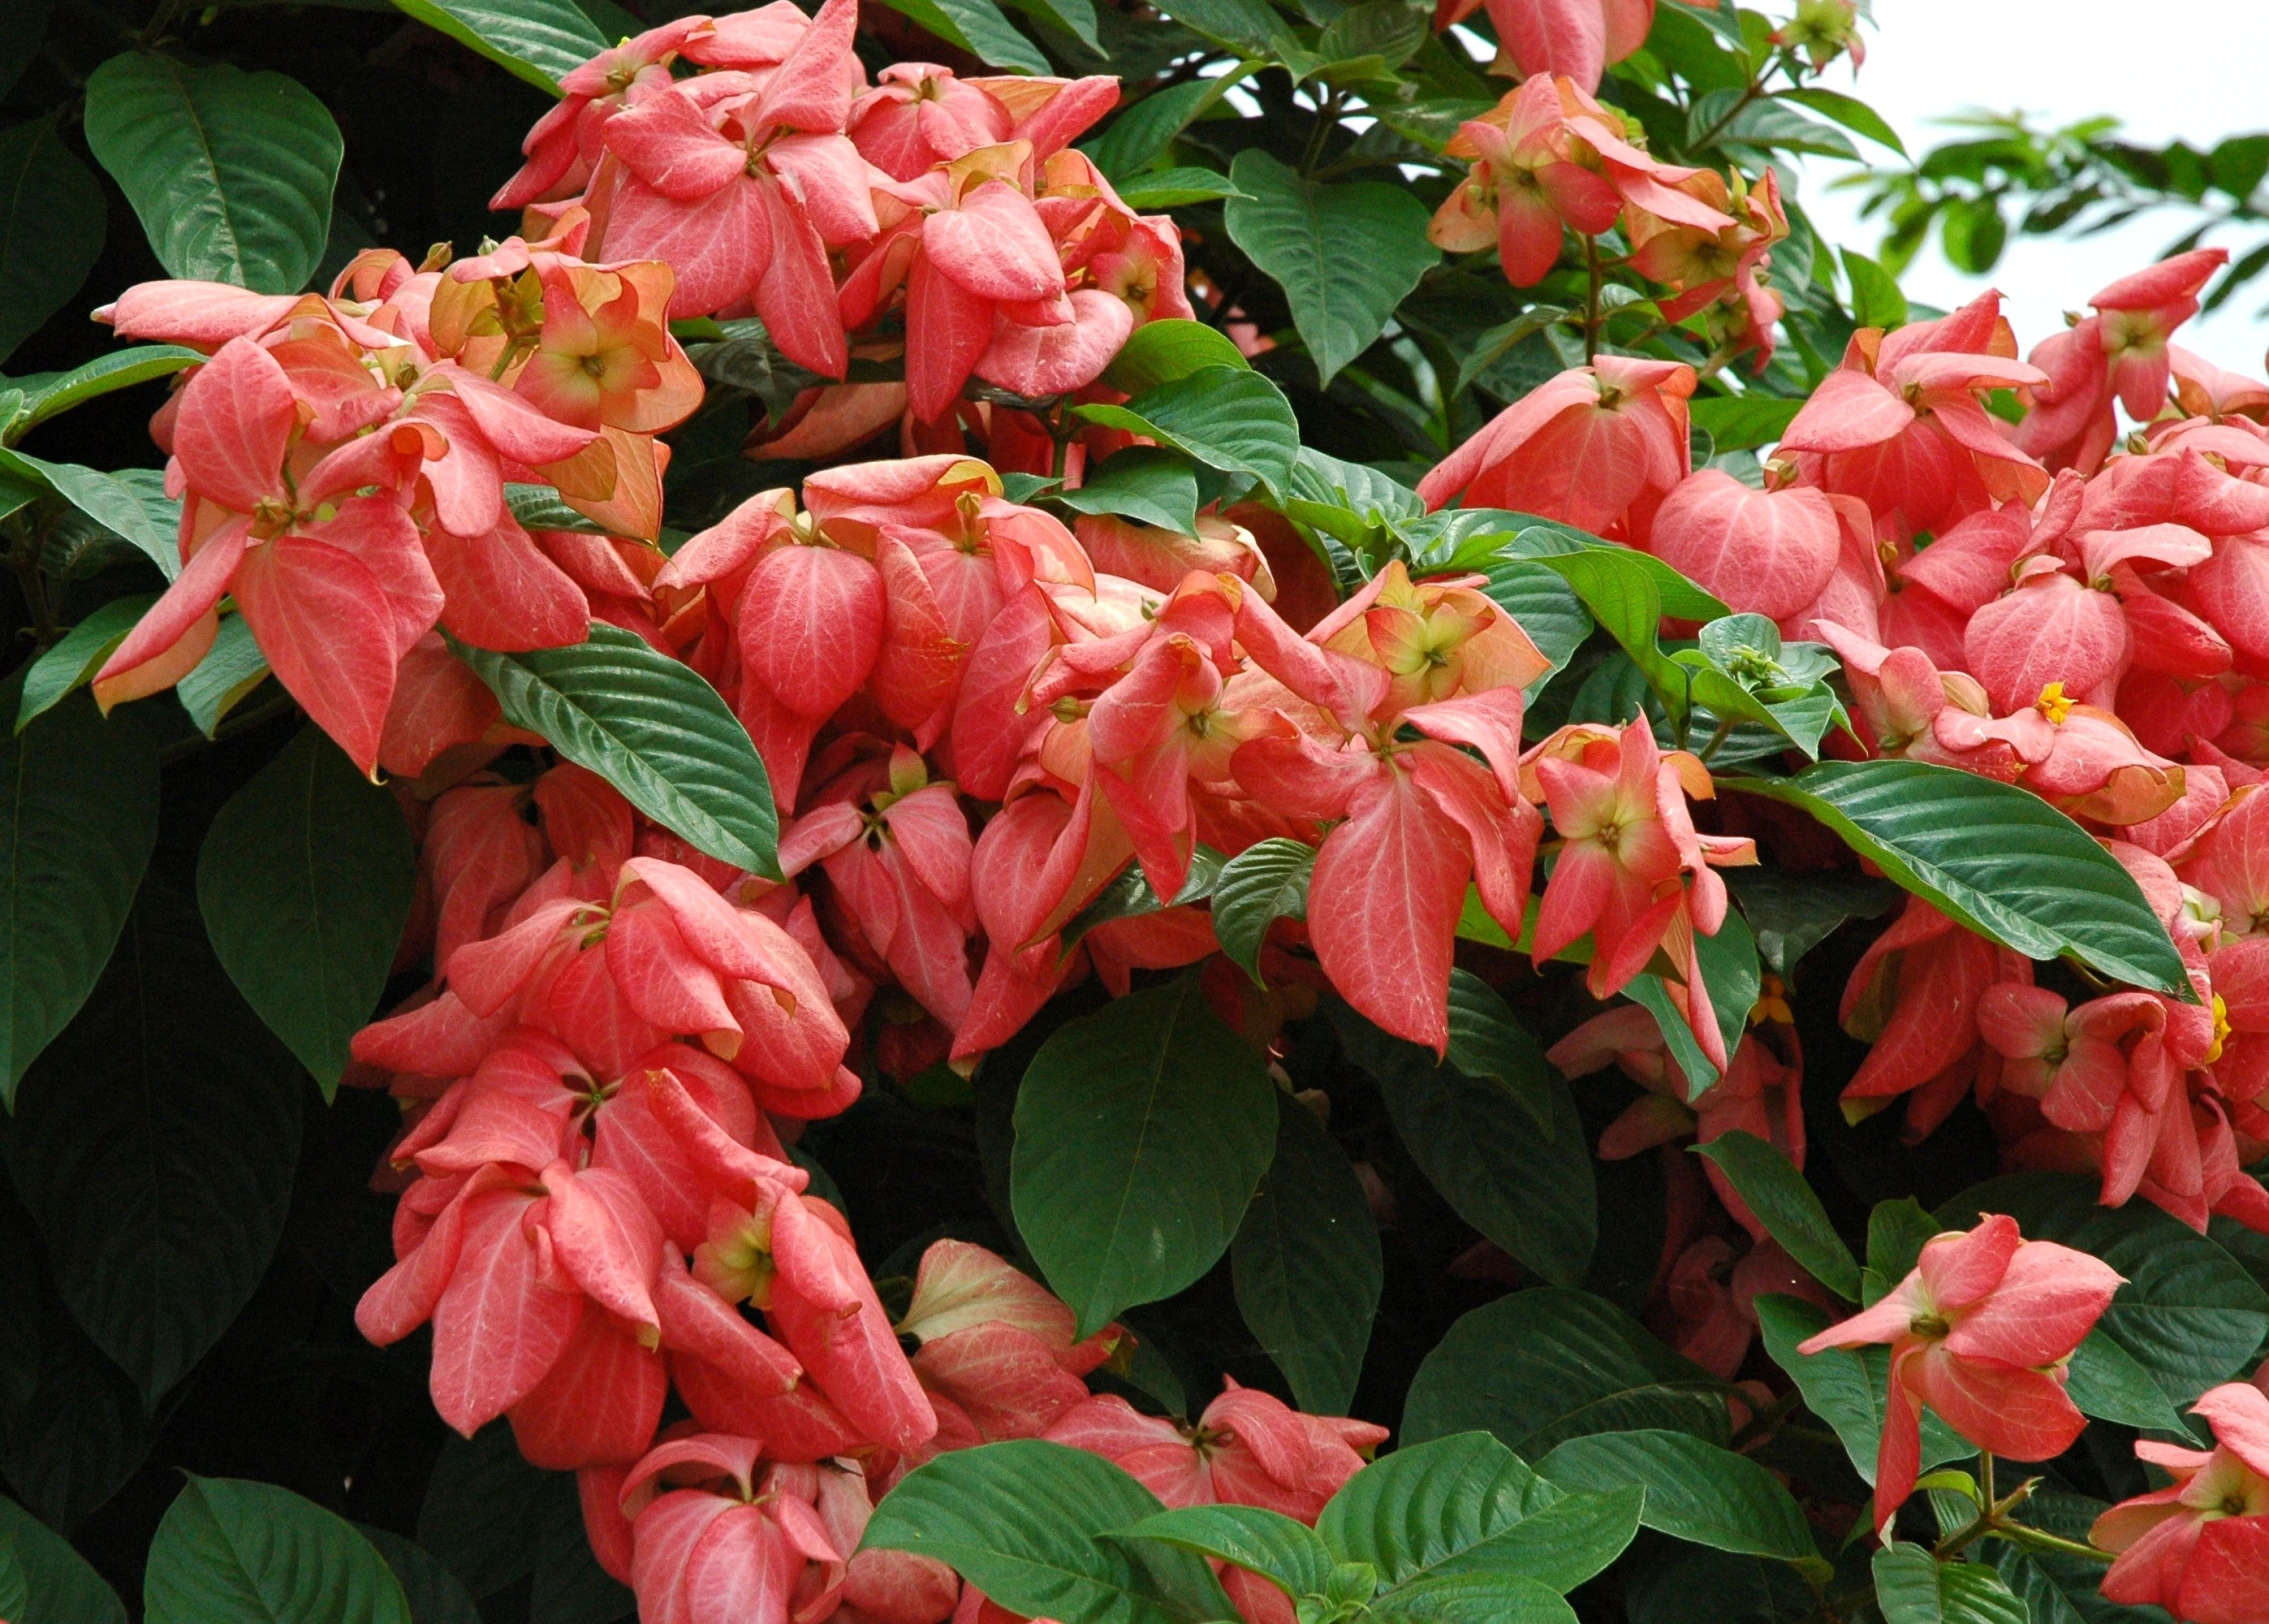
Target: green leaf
[(1545, 607), (2189, 1313), (1897, 1231), (1140, 134), (75, 658), (1499, 341), (1790, 914), (305, 880), (1768, 123), (653, 728), (1743, 422), (108, 499), (1250, 27), (1285, 1552), (1996, 858), (230, 172), (1474, 1598), (1265, 882), (1845, 1387), (83, 1433), (2105, 1381), (105, 374), (1487, 1041), (1547, 1364), (78, 821), (1852, 113), (1729, 971), (1776, 1192), (1477, 1143), (1695, 1490), (1466, 1505), (51, 228), (253, 1553), (1145, 483), (1167, 351), (1141, 1132), (1347, 500), (1231, 419), (482, 1504), (1913, 1587), (2056, 1588), (231, 669), (434, 1594), (1075, 17), (1176, 188), (23, 29), (1130, 896), (1345, 254), (1306, 1264), (536, 40), (57, 1582), (154, 1145), (1019, 1521), (976, 26), (1875, 297), (539, 507)]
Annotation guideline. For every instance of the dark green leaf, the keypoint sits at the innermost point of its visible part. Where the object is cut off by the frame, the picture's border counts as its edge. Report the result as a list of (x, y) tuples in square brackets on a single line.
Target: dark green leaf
[(2105, 1381), (1875, 297), (231, 669), (1913, 1587), (1729, 971), (1345, 254), (1897, 1231), (230, 172), (57, 1583), (253, 1553), (2060, 1589), (1695, 1490), (1743, 422), (1473, 1598), (1166, 351), (1792, 913), (81, 1435), (536, 40), (1477, 1143), (1265, 882), (1545, 607), (1141, 1132), (1130, 896), (432, 1591), (1499, 341), (483, 1508), (305, 880), (978, 27), (110, 500), (51, 228), (1139, 134), (539, 507), (1268, 1543), (1467, 1504), (1019, 1521), (1306, 1264), (1996, 858), (154, 1144), (75, 658), (78, 821), (23, 28), (1776, 1192), (1233, 420), (120, 369), (652, 727), (1145, 483), (1546, 1364)]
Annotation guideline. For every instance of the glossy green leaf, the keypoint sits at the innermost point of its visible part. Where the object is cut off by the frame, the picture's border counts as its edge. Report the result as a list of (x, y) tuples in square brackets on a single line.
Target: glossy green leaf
[(51, 228), (231, 669), (1545, 607), (1499, 341), (1776, 1192), (2107, 1382), (1845, 1387), (1141, 1132), (539, 507), (78, 821), (1897, 1231), (1230, 419), (1176, 188), (1265, 882), (1694, 1490), (1488, 1041), (1144, 483), (1019, 1521), (1913, 1587), (1130, 896), (976, 26), (75, 657), (1849, 111), (1306, 1264), (55, 1581), (536, 40), (106, 374), (2189, 1313), (1547, 1364), (2056, 1588), (154, 1144), (1345, 253), (1165, 351), (652, 727), (1287, 1553), (1743, 422), (253, 1553), (1791, 913), (1996, 858), (1730, 973), (1478, 1144), (1473, 1598), (1138, 135), (1466, 1504), (110, 500), (1875, 297), (230, 172), (305, 880)]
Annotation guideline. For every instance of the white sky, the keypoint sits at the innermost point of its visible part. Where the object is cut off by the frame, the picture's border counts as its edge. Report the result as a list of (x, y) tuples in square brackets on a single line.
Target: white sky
[(2194, 69)]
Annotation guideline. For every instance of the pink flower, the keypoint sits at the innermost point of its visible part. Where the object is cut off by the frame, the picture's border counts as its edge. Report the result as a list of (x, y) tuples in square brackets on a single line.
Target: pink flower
[(2199, 1547)]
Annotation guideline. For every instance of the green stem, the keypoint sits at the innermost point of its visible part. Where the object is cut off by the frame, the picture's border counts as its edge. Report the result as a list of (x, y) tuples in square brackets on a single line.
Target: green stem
[(2039, 1539), (1328, 107), (1723, 732)]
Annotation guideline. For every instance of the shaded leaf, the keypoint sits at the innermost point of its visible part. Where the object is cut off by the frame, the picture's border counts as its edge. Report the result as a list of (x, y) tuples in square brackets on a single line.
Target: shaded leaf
[(1694, 1490), (536, 40), (51, 228), (1776, 1192), (253, 1553)]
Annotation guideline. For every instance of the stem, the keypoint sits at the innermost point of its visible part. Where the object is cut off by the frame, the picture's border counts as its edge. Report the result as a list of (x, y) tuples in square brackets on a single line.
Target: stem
[(1592, 315), (1061, 431), (1327, 119), (2039, 1539), (23, 557), (1723, 732)]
